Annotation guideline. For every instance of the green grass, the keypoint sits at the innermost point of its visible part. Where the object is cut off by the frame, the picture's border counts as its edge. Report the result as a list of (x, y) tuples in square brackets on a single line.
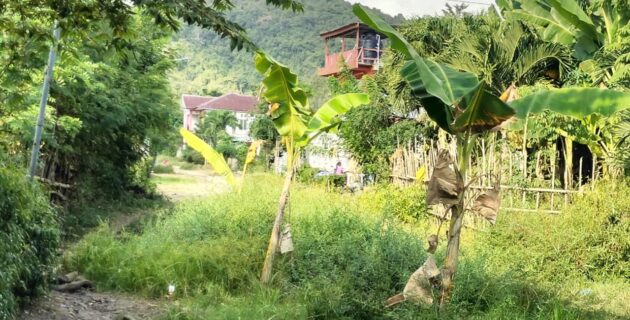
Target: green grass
[(352, 252)]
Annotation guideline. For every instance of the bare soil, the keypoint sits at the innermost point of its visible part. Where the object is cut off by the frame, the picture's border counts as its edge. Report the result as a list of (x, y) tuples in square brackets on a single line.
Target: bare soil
[(87, 305)]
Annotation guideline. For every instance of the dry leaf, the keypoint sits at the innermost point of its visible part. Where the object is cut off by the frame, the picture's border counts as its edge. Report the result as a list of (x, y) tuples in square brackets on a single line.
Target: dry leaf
[(487, 204), (445, 185)]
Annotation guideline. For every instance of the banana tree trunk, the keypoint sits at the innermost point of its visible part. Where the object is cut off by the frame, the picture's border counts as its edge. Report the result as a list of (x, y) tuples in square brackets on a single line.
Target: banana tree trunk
[(464, 149), (274, 239), (452, 251)]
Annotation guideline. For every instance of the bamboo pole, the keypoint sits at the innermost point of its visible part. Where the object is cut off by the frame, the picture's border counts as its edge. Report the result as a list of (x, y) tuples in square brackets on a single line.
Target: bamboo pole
[(580, 174), (553, 175)]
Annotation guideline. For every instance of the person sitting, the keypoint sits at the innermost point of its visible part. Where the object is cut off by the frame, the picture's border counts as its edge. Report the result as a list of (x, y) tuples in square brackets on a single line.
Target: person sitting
[(339, 169)]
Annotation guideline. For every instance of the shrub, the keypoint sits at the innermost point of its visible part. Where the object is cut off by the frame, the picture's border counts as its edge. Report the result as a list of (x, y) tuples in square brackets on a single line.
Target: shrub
[(29, 238), (192, 156), (163, 168), (306, 174)]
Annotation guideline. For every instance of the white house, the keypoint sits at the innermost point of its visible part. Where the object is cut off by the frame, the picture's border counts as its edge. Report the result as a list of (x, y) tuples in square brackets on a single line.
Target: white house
[(243, 106)]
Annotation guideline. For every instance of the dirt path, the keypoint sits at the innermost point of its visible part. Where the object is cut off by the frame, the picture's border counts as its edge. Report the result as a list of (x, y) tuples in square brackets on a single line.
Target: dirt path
[(89, 305), (84, 305), (187, 184)]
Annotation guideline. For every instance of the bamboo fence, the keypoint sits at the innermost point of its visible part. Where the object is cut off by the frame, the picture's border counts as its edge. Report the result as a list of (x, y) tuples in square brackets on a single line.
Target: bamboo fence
[(528, 182)]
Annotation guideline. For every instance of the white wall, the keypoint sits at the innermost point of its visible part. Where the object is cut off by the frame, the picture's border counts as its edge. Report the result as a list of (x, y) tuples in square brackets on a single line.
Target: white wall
[(245, 121)]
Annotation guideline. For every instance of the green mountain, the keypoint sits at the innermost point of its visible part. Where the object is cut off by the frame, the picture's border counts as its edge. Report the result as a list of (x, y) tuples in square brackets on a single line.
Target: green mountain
[(207, 66)]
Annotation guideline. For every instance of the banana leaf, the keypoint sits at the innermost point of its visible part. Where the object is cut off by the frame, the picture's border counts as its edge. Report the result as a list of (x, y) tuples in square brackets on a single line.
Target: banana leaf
[(482, 111), (327, 117), (251, 152), (281, 89), (573, 102), (214, 158), (531, 11)]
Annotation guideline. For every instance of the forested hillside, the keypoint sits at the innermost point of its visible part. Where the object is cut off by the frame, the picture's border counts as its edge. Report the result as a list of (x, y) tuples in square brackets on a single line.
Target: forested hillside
[(207, 66)]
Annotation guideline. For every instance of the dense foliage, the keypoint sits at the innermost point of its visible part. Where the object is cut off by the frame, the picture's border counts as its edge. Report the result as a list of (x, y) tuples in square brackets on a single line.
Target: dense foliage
[(29, 236), (372, 133)]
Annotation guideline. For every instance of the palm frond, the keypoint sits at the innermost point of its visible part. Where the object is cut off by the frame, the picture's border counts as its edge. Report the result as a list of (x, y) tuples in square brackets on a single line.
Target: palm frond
[(533, 59)]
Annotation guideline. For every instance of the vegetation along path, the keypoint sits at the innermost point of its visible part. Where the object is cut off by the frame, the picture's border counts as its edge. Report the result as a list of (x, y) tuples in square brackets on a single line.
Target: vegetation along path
[(89, 305)]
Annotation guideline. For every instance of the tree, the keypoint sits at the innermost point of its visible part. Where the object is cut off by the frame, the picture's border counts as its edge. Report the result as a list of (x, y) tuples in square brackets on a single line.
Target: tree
[(597, 32), (110, 88), (462, 106), (298, 125), (456, 10), (214, 124)]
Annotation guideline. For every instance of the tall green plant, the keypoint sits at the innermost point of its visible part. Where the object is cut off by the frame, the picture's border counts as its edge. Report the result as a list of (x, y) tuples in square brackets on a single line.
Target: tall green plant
[(460, 104), (598, 32), (298, 125)]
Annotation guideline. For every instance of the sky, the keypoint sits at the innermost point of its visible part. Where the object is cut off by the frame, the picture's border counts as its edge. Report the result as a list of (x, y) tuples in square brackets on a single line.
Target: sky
[(410, 8)]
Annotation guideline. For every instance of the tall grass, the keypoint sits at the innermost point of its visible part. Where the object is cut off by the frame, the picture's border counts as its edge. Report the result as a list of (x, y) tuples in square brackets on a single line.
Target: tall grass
[(351, 253)]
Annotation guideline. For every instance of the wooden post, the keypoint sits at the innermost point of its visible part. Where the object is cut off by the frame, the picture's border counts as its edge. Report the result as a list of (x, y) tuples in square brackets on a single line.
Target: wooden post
[(538, 171), (553, 175), (483, 161), (568, 162), (524, 148), (511, 178), (593, 171), (580, 175)]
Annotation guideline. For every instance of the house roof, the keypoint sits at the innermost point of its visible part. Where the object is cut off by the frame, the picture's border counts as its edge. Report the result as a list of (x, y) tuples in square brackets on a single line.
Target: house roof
[(231, 101), (192, 101), (349, 31)]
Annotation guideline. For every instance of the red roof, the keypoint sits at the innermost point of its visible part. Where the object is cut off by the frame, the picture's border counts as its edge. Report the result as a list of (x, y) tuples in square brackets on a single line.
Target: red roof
[(231, 101), (192, 101)]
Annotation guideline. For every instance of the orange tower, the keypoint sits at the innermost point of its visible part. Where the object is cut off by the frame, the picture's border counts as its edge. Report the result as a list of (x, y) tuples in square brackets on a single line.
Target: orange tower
[(359, 47)]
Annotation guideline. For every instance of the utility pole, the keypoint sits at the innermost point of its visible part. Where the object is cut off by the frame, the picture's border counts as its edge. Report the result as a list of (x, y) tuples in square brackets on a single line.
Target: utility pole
[(52, 57)]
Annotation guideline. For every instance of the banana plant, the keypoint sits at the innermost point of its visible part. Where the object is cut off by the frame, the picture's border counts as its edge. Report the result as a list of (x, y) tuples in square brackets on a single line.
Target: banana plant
[(596, 34), (460, 104), (214, 158), (298, 125)]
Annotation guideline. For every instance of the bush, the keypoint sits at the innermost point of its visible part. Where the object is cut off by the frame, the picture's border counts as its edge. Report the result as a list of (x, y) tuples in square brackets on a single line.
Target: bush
[(29, 238), (163, 168), (192, 156), (306, 174)]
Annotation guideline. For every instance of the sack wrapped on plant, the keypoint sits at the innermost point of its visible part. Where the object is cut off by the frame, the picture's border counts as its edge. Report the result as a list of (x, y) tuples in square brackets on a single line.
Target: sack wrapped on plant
[(487, 204), (433, 243), (446, 184), (286, 241), (418, 287)]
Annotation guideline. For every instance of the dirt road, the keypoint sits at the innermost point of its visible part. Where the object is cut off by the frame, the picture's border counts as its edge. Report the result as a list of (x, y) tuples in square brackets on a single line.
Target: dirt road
[(89, 305)]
